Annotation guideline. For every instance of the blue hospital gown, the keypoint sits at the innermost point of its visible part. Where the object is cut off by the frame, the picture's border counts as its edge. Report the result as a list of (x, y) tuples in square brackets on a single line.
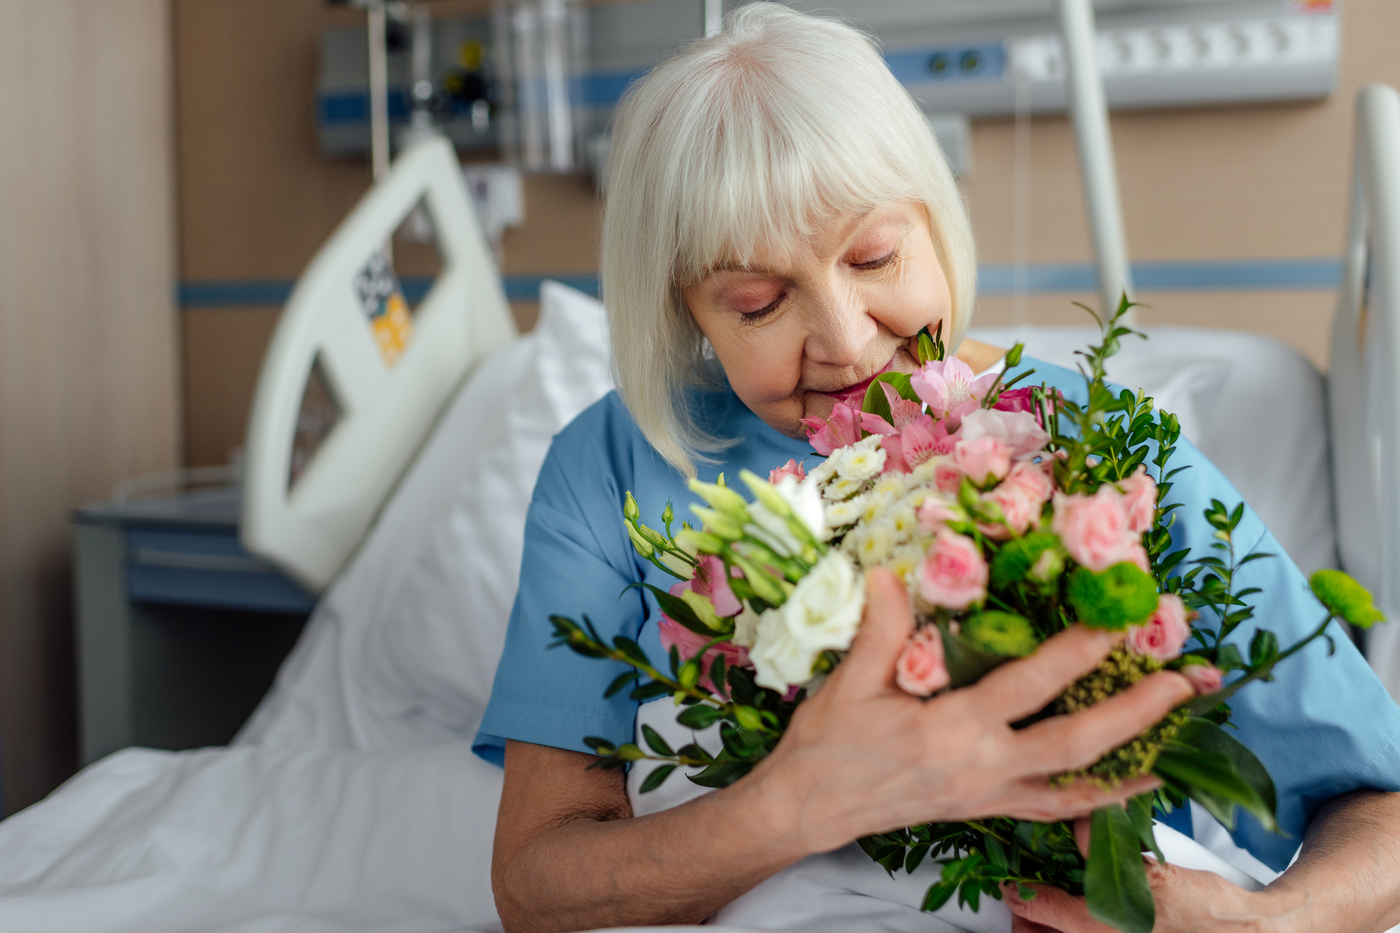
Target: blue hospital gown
[(1324, 727)]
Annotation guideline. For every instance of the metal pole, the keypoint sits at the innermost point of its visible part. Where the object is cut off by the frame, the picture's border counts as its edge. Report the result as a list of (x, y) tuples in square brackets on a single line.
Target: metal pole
[(714, 17), (1096, 164), (378, 90)]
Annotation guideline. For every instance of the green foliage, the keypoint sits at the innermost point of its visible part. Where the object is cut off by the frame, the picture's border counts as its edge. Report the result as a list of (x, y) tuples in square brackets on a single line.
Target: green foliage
[(1118, 597), (1115, 881)]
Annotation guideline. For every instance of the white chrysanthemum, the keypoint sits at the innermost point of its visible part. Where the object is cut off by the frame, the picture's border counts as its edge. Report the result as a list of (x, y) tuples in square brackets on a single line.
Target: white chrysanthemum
[(822, 472), (904, 560), (923, 473), (893, 484), (823, 613), (842, 488), (876, 505), (874, 543), (858, 462), (839, 514), (905, 521)]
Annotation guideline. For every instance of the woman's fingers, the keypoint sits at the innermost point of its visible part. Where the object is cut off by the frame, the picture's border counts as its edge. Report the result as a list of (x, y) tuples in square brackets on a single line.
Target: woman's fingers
[(1015, 690), (1053, 909), (884, 630), (1034, 798), (1062, 743)]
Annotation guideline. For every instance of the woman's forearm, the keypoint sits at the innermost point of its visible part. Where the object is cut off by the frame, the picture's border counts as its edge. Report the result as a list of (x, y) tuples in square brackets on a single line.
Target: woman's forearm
[(1348, 875), (605, 869)]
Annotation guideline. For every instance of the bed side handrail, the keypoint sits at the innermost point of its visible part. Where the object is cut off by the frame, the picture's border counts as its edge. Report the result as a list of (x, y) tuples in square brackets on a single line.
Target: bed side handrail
[(1364, 376), (387, 404)]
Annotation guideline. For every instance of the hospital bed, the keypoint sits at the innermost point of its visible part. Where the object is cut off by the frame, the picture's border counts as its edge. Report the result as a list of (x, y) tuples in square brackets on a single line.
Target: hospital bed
[(351, 800)]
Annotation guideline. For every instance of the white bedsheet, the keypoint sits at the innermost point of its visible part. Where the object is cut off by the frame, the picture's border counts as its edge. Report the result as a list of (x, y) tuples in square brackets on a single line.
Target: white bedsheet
[(352, 802)]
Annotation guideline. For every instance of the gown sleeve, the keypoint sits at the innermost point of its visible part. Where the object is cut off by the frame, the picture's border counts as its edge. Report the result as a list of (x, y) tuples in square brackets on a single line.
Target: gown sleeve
[(577, 562)]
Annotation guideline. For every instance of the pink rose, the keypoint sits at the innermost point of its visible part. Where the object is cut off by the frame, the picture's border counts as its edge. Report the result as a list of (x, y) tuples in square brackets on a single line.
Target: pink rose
[(1031, 481), (947, 476), (1206, 678), (1018, 430), (1094, 529), (711, 580), (1139, 500), (983, 459), (1137, 556), (1019, 511), (953, 573), (791, 468), (842, 429), (935, 512), (920, 669), (1163, 635), (1015, 400)]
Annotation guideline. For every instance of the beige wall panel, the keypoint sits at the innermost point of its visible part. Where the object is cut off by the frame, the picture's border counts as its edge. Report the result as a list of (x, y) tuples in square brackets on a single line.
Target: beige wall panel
[(1298, 318), (229, 344), (88, 385)]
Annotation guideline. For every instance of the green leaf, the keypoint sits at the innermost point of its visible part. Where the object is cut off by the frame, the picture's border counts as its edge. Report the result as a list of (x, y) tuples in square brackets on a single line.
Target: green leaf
[(1263, 648), (721, 773), (938, 894), (1115, 882), (1140, 812), (656, 742), (699, 716), (875, 401), (966, 664), (1211, 779), (676, 608), (657, 778), (1207, 736)]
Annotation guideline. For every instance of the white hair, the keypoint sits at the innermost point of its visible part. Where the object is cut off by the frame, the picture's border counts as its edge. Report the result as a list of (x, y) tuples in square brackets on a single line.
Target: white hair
[(753, 136)]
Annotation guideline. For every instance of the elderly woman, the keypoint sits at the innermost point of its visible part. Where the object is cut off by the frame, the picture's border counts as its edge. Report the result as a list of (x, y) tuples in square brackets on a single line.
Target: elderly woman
[(780, 224)]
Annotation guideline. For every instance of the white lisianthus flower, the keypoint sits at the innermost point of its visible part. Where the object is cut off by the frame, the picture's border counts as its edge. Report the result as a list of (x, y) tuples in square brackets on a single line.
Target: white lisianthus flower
[(745, 627), (805, 500), (823, 613)]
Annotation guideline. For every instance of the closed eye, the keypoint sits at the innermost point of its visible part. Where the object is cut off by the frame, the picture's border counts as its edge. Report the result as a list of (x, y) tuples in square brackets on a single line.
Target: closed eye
[(877, 263), (753, 317)]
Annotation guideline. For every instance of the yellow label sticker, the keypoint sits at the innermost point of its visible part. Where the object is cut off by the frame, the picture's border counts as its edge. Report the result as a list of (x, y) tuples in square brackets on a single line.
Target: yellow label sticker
[(393, 329)]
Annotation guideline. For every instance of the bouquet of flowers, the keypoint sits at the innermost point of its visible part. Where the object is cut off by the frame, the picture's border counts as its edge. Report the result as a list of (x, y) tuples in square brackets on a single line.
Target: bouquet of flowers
[(1010, 514)]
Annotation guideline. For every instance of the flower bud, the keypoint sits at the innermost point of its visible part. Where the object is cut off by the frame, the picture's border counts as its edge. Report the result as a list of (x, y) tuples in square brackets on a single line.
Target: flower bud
[(642, 545), (630, 510)]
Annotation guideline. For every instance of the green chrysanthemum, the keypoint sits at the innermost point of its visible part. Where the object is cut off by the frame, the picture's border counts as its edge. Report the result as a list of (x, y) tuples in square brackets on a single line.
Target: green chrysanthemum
[(1003, 634), (1116, 673), (1345, 597), (1120, 596)]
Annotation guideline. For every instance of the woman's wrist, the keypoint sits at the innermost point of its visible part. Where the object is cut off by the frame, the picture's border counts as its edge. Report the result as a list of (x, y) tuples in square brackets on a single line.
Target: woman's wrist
[(769, 804), (1281, 908)]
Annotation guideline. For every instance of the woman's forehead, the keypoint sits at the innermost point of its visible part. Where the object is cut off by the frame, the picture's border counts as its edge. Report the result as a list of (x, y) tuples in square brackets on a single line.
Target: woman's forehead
[(828, 230)]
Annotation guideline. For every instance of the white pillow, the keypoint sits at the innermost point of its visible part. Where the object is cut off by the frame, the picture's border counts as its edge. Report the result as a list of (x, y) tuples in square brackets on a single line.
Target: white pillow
[(403, 647)]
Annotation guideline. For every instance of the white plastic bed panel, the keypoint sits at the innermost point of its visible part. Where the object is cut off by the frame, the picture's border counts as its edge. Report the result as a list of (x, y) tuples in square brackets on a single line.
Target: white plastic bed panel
[(387, 405), (1364, 383)]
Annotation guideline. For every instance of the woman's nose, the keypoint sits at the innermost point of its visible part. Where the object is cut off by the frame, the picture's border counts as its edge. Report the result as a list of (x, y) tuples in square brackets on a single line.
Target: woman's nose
[(839, 329)]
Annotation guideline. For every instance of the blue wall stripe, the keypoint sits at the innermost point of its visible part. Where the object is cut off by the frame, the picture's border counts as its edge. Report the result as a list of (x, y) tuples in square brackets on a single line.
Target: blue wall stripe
[(1041, 279)]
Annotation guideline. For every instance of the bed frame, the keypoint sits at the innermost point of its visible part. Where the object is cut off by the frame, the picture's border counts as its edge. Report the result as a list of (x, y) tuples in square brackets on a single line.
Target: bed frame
[(1364, 374), (385, 404)]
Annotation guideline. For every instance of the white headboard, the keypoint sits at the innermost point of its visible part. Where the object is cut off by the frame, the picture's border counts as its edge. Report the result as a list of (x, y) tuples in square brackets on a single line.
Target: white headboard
[(1364, 377), (389, 374)]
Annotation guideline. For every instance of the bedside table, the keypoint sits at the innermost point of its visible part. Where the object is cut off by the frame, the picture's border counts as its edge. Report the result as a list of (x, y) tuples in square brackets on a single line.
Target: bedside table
[(179, 630)]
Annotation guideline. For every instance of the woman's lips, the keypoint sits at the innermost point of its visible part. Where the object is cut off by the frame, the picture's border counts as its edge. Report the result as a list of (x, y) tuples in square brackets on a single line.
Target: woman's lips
[(854, 395)]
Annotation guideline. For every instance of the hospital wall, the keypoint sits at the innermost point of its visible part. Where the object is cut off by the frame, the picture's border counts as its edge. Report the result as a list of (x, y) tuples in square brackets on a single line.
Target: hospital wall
[(89, 391), (1203, 184)]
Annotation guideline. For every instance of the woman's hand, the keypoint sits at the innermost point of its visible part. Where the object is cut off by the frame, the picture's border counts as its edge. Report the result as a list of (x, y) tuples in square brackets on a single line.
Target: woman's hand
[(863, 757), (1187, 901)]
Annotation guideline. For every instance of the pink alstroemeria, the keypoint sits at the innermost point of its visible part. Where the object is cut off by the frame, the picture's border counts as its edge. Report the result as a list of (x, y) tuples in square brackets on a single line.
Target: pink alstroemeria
[(688, 644), (791, 468), (920, 440), (949, 388), (842, 429), (711, 580), (902, 411)]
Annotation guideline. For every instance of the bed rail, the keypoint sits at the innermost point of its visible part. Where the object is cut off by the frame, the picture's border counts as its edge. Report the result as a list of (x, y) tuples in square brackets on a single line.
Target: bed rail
[(1364, 377), (384, 373)]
